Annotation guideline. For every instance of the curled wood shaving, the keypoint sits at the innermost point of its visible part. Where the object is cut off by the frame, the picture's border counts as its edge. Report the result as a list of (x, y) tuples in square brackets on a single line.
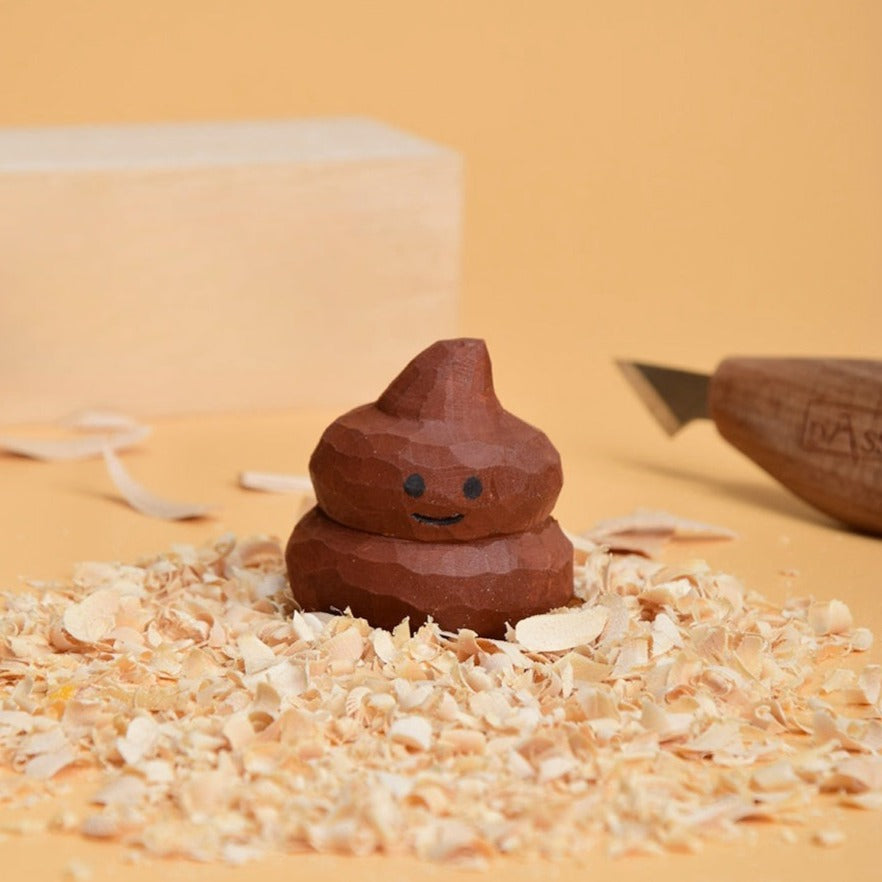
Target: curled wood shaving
[(830, 617), (644, 520), (412, 731), (665, 710), (553, 633), (47, 765), (139, 741), (81, 447), (645, 531), (99, 420), (90, 620), (142, 500), (256, 655)]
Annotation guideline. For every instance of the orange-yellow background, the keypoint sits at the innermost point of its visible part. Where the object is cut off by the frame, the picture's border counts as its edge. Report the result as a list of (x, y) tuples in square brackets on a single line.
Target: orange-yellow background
[(678, 181), (710, 162)]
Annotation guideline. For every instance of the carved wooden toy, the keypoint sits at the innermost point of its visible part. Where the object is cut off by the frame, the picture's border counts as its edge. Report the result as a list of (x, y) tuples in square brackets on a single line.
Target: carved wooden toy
[(434, 501)]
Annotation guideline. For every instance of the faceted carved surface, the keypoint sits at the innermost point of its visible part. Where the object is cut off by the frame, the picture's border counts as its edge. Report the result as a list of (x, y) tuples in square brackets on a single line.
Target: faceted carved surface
[(434, 501), (479, 585), (439, 419), (364, 458)]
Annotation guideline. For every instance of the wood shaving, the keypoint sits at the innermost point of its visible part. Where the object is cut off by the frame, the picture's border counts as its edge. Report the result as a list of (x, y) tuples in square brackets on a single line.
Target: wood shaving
[(275, 482), (415, 732), (81, 447), (77, 871), (139, 741), (142, 500), (553, 633), (99, 420), (645, 531), (830, 617), (828, 838), (90, 620), (667, 708)]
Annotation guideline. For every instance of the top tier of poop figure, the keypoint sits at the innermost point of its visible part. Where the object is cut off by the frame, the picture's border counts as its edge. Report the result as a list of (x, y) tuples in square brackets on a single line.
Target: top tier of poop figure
[(434, 501)]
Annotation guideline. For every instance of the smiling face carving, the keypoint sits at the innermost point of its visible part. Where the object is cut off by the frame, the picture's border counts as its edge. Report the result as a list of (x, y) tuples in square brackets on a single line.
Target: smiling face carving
[(437, 458), (434, 501)]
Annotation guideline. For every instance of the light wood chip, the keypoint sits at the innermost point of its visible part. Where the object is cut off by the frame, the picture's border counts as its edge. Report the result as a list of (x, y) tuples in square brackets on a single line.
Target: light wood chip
[(665, 710), (142, 500), (275, 482), (81, 447), (556, 632)]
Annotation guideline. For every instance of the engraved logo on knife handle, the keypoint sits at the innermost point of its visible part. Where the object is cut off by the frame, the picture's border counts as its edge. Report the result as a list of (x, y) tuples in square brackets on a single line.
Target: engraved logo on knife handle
[(842, 430)]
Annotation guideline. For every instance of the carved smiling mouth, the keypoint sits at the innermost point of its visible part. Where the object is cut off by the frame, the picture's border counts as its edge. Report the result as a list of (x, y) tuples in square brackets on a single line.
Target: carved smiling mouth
[(439, 522)]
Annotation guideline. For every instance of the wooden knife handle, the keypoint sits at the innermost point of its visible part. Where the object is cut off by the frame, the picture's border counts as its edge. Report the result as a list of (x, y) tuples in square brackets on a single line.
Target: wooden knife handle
[(814, 424)]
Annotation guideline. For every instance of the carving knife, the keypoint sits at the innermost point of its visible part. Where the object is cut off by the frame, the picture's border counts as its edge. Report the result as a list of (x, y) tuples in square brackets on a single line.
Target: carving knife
[(814, 424)]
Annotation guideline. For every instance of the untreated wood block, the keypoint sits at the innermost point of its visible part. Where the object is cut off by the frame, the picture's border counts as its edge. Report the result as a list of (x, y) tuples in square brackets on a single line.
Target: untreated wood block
[(211, 266)]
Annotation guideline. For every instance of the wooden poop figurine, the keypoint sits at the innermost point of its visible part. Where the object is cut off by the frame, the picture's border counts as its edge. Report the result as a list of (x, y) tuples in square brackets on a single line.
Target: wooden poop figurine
[(434, 501)]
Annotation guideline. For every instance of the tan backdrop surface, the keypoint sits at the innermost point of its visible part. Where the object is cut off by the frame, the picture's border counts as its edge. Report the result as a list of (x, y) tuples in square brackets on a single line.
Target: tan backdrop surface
[(677, 182)]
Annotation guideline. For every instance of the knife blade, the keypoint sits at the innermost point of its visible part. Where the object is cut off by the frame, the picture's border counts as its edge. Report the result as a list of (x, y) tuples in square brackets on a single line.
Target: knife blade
[(814, 424), (674, 397)]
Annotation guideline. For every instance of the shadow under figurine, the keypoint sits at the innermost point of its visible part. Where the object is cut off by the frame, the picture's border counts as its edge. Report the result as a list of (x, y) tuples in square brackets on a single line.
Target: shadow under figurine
[(434, 501)]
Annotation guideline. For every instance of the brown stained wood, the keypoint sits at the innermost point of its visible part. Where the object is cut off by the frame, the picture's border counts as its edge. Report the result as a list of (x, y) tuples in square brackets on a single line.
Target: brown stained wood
[(434, 501), (814, 424), (475, 469), (479, 585)]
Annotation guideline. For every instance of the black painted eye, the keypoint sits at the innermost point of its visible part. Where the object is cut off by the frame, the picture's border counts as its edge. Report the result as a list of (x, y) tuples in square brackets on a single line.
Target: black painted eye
[(472, 488), (414, 485)]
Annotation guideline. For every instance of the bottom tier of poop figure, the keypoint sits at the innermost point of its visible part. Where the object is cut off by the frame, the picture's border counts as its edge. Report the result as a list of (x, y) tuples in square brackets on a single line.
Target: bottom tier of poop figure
[(434, 501)]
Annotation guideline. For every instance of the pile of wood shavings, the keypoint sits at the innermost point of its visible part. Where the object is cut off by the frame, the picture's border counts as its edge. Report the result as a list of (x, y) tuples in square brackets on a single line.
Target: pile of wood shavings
[(670, 705)]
